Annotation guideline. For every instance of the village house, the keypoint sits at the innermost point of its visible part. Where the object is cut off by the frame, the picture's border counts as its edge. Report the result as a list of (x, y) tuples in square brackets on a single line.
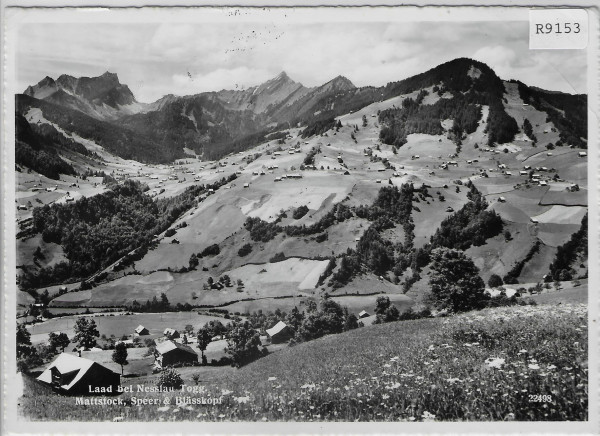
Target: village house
[(141, 330), (171, 333), (170, 353), (280, 332), (74, 375)]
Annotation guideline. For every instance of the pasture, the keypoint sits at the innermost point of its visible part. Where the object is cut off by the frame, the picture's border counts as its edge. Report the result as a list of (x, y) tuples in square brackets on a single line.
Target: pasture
[(120, 324), (480, 366)]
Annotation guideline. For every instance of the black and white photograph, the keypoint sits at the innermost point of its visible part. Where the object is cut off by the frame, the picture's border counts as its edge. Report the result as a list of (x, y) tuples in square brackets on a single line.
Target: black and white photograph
[(370, 215)]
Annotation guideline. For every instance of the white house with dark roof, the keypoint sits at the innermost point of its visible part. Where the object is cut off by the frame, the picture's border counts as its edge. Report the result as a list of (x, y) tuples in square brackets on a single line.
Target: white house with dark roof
[(280, 332), (73, 375)]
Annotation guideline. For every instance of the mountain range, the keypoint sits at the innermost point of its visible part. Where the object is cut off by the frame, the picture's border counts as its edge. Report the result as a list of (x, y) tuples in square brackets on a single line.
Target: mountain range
[(213, 124)]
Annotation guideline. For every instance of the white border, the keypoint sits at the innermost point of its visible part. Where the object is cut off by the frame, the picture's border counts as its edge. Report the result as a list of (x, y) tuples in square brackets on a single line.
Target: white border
[(12, 17)]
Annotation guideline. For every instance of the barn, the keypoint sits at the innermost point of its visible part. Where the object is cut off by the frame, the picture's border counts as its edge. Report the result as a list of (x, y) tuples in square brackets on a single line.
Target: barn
[(171, 333), (170, 353), (280, 332), (363, 314), (141, 330), (74, 375)]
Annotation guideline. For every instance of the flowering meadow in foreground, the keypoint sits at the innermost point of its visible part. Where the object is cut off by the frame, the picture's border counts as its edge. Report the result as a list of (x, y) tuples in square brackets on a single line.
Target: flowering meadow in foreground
[(512, 363)]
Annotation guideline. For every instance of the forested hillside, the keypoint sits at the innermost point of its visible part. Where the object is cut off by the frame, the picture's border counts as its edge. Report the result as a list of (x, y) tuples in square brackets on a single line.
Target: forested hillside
[(96, 231), (469, 92), (36, 148), (120, 141)]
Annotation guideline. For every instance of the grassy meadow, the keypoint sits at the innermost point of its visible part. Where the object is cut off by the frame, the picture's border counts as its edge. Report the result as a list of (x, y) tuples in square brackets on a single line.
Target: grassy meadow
[(525, 363)]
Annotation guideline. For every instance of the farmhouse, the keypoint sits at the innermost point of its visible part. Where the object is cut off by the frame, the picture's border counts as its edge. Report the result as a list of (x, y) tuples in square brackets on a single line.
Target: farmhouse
[(141, 330), (280, 332), (74, 375), (171, 333), (170, 353), (363, 314)]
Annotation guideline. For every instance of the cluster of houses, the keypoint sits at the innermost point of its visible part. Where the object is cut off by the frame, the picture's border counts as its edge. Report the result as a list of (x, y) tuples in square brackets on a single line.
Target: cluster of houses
[(75, 375)]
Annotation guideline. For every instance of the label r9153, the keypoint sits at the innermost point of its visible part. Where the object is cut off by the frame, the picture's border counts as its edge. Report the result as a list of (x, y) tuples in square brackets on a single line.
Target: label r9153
[(557, 28)]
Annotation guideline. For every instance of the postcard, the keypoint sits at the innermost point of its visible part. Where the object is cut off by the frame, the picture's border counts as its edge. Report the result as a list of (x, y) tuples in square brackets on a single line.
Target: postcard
[(310, 219)]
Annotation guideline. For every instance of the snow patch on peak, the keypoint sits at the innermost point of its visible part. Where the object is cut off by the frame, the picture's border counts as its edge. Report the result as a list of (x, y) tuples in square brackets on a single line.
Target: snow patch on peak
[(474, 73)]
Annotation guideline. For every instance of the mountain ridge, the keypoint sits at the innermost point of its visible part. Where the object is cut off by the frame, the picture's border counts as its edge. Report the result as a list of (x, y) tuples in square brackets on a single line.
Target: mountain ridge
[(215, 123)]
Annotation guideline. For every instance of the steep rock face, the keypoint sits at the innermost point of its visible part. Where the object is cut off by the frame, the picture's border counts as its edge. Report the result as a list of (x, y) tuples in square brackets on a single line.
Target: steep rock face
[(258, 98), (102, 97)]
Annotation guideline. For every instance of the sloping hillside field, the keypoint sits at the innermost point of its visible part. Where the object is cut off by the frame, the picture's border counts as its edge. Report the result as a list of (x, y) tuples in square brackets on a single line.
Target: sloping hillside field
[(481, 366)]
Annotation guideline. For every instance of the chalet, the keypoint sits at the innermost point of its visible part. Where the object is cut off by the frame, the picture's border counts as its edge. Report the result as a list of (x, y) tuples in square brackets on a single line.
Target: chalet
[(527, 167), (523, 172), (582, 154), (378, 181), (502, 166), (171, 333), (501, 199), (363, 314), (277, 179), (170, 353), (217, 286), (70, 199), (533, 220), (246, 185), (277, 153), (549, 153), (294, 176), (543, 183), (21, 207), (141, 330), (72, 375), (280, 332)]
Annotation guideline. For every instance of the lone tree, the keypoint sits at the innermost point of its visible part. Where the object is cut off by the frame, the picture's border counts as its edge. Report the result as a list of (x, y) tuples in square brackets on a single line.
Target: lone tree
[(86, 332), (23, 341), (119, 356), (494, 281), (385, 311), (243, 343), (204, 338), (455, 281), (381, 305), (60, 340)]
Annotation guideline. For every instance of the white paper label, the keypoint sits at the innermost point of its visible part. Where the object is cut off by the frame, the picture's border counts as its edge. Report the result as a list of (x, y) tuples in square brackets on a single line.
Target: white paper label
[(558, 29)]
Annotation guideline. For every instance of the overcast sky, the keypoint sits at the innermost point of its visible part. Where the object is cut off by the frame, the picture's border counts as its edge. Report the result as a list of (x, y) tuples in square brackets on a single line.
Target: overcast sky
[(158, 59)]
